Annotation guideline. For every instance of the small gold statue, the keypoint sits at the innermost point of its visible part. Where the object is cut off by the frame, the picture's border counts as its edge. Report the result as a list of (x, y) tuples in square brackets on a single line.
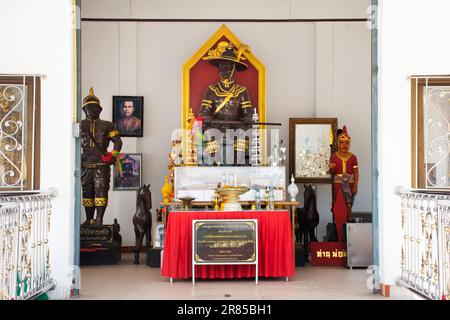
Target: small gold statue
[(216, 200), (167, 191), (191, 149)]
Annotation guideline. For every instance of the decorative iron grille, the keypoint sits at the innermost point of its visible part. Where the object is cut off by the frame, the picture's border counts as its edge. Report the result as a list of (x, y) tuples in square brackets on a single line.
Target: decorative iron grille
[(19, 132), (431, 131), (437, 136)]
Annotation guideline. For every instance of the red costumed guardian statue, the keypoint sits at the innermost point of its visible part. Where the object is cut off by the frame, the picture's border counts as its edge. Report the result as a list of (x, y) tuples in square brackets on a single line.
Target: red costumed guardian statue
[(344, 169)]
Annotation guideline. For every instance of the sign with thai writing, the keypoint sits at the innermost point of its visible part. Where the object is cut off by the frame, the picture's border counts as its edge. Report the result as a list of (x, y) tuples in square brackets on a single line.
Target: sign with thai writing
[(96, 233), (328, 253), (225, 241)]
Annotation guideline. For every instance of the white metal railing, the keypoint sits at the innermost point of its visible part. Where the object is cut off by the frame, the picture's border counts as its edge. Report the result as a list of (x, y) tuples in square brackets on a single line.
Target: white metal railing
[(24, 250), (425, 253)]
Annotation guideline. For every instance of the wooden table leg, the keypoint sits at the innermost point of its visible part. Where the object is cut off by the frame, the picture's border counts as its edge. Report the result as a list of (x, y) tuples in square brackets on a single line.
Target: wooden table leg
[(293, 223), (293, 228)]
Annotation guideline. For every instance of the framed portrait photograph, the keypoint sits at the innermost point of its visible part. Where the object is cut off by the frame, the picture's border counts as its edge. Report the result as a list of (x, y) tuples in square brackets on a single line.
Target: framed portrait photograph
[(128, 115), (130, 177), (158, 235), (311, 144)]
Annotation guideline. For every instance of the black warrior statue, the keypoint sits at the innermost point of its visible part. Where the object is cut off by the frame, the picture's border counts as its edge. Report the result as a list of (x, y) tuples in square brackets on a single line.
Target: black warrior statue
[(96, 135)]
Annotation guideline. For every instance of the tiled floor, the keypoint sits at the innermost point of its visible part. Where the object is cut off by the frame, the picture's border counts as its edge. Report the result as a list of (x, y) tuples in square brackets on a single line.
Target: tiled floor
[(128, 281)]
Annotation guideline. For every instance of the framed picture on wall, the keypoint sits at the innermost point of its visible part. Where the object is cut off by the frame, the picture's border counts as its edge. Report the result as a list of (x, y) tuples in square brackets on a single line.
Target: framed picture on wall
[(158, 235), (130, 177), (128, 115), (311, 143)]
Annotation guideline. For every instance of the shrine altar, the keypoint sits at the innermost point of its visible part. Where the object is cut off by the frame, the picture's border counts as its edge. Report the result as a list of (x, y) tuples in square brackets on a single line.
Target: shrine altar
[(275, 245)]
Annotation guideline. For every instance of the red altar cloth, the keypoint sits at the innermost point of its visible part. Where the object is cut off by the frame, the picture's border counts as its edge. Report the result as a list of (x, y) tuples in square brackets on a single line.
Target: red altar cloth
[(275, 246)]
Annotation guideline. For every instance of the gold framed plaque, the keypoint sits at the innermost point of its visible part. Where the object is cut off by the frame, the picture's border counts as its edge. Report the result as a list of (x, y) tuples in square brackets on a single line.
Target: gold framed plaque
[(224, 242)]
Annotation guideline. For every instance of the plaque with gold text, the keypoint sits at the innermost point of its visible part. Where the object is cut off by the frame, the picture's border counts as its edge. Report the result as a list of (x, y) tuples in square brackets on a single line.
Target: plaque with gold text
[(92, 233), (225, 241)]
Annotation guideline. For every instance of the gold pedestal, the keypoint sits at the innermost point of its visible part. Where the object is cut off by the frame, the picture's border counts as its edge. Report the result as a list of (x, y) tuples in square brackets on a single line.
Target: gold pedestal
[(230, 197)]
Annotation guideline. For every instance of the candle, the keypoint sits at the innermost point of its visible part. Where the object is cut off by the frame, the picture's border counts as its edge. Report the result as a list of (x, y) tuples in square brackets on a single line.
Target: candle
[(331, 136)]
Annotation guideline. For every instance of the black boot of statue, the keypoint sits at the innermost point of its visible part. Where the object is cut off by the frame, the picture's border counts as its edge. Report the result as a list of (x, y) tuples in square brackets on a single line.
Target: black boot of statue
[(90, 211), (100, 214)]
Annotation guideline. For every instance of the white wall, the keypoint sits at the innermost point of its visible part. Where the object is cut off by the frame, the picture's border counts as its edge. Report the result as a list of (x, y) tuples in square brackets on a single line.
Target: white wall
[(40, 41), (313, 69), (411, 42), (233, 9), (42, 44)]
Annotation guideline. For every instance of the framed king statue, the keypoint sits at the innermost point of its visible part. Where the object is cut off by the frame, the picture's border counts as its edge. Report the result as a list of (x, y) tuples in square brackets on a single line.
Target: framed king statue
[(224, 87)]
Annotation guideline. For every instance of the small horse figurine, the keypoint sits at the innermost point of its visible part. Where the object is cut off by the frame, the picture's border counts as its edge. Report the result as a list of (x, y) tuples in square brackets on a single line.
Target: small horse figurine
[(308, 219), (142, 220)]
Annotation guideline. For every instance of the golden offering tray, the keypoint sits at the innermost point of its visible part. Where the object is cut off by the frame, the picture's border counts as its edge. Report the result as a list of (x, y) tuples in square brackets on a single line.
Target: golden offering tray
[(187, 202), (230, 196)]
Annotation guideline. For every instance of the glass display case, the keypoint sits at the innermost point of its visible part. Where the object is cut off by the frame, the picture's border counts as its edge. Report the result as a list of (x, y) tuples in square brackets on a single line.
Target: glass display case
[(201, 182)]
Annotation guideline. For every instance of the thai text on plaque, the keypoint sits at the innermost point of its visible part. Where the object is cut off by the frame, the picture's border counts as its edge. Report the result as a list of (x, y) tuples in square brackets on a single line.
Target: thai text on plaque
[(96, 233), (225, 241)]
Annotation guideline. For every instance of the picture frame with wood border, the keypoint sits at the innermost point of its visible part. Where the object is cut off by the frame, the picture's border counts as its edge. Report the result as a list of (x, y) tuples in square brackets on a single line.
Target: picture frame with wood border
[(158, 235), (314, 138)]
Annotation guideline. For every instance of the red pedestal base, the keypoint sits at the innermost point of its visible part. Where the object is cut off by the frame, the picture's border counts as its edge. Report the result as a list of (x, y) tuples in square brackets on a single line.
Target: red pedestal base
[(275, 246)]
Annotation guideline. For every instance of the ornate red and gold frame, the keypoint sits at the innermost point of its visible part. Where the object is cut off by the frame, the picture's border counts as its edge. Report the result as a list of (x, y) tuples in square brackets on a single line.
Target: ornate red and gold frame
[(197, 74)]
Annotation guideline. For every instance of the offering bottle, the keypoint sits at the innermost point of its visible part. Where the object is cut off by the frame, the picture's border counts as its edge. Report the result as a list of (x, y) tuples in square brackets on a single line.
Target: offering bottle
[(271, 199), (258, 199)]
